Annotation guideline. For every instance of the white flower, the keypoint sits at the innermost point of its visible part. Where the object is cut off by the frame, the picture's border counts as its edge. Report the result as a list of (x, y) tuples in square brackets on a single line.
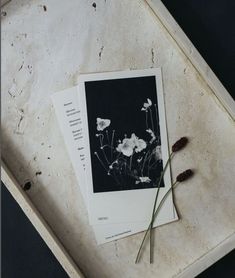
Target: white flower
[(143, 179), (102, 123), (140, 144), (126, 147), (158, 153), (146, 105), (131, 145), (151, 134)]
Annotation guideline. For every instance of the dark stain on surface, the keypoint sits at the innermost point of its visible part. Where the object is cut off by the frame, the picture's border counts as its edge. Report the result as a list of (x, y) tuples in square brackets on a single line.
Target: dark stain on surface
[(3, 13), (21, 67), (44, 8), (185, 70), (152, 55), (101, 51), (38, 173), (21, 119), (30, 68), (48, 157), (27, 185), (94, 5)]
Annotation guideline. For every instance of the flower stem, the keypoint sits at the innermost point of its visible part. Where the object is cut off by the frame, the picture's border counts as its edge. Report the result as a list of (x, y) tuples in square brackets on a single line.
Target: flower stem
[(155, 215), (157, 119), (131, 161), (145, 158), (146, 119), (154, 206), (151, 116), (101, 162), (112, 144), (107, 134)]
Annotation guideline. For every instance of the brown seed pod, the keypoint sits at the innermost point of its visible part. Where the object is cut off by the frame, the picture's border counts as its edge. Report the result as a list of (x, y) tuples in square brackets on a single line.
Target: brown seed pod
[(184, 175), (180, 144)]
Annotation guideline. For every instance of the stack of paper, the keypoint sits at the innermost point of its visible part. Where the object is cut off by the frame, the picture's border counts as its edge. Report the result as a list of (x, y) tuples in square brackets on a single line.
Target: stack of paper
[(114, 128)]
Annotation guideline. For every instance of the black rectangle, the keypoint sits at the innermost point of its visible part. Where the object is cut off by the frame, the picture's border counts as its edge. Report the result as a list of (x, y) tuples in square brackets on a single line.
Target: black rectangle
[(124, 133)]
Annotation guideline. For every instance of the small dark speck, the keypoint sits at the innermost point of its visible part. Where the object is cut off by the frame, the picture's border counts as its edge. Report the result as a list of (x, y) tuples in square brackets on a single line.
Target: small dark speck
[(48, 157), (42, 144), (184, 70), (49, 146), (30, 68), (27, 186), (35, 158), (21, 67), (44, 8), (12, 44), (3, 13), (101, 51), (94, 5), (38, 118), (21, 119), (152, 54), (38, 173)]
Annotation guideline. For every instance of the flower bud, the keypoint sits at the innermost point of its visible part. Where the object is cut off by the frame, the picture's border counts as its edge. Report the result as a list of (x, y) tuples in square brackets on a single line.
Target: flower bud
[(180, 144), (184, 175)]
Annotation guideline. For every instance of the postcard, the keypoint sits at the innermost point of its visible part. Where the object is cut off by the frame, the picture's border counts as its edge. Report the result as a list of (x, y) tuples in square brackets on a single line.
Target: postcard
[(66, 104), (123, 116)]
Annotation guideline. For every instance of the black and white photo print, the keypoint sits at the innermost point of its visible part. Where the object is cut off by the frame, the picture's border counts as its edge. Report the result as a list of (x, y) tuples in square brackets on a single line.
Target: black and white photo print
[(124, 133)]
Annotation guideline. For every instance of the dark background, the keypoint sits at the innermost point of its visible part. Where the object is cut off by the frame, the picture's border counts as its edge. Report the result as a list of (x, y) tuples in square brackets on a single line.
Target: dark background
[(120, 100), (210, 25)]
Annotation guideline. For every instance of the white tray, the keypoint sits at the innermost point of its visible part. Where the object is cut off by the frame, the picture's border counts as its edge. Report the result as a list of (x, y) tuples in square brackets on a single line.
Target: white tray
[(44, 52)]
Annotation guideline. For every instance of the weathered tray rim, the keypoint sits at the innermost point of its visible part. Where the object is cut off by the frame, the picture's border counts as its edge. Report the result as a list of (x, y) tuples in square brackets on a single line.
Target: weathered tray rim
[(222, 95), (193, 55), (39, 223)]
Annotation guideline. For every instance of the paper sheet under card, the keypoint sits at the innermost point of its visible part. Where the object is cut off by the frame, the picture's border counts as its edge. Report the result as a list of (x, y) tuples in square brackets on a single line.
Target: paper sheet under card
[(69, 114)]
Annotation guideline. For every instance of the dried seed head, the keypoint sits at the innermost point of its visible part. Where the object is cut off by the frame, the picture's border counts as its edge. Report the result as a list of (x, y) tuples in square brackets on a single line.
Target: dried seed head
[(184, 175), (180, 144)]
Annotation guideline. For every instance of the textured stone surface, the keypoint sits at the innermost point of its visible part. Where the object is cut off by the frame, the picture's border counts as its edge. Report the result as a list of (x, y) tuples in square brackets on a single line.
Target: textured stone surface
[(44, 51)]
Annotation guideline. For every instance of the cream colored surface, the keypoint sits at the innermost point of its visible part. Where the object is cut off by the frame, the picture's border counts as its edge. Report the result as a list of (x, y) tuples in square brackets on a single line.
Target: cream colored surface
[(44, 52)]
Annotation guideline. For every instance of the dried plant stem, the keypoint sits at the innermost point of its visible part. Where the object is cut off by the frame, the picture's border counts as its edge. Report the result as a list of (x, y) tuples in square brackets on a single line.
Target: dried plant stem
[(155, 215), (154, 206)]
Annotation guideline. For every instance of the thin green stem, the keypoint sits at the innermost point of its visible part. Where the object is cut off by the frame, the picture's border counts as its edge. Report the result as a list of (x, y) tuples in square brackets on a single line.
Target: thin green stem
[(155, 215), (154, 206)]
